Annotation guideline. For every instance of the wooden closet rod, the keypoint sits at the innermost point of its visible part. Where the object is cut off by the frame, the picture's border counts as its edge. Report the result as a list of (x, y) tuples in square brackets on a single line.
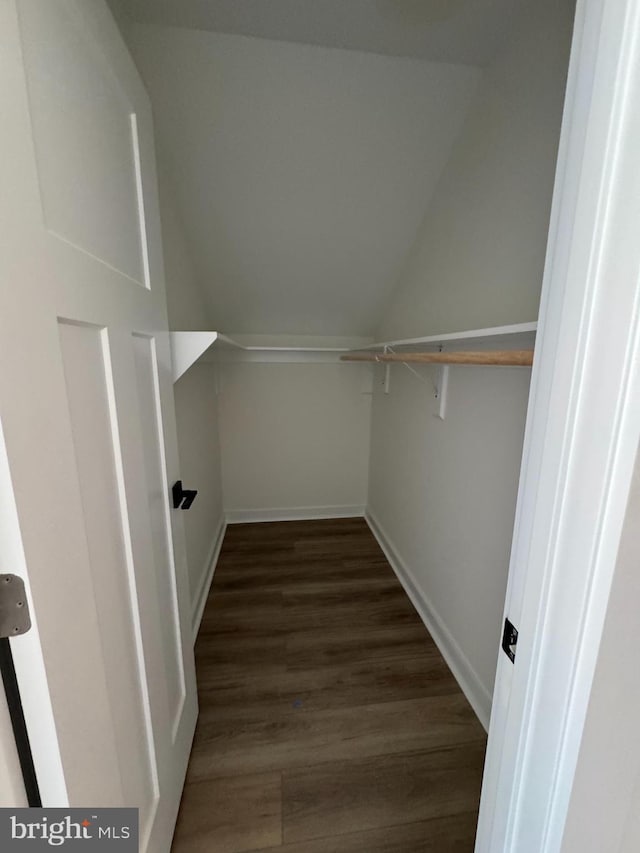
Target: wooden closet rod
[(509, 358)]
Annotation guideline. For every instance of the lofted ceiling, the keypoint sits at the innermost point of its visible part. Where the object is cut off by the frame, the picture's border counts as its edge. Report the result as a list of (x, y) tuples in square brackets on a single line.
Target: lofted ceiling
[(301, 173), (459, 31)]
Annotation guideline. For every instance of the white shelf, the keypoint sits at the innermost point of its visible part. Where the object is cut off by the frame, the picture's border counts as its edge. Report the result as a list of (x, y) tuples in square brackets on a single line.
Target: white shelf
[(187, 348), (516, 336)]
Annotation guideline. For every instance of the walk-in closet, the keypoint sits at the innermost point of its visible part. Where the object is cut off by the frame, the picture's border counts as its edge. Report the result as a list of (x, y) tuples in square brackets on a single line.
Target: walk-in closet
[(355, 201)]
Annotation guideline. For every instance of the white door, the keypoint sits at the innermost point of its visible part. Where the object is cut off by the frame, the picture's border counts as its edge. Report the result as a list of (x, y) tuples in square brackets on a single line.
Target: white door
[(86, 413)]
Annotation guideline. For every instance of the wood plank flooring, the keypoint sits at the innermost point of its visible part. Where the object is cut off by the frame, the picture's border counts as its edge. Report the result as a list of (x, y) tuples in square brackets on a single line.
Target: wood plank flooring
[(329, 722)]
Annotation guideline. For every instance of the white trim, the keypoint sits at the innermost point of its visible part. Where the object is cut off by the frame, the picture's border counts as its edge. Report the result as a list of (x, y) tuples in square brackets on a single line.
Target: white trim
[(253, 348), (306, 513), (207, 578), (189, 347), (515, 334), (278, 355), (582, 436), (477, 694)]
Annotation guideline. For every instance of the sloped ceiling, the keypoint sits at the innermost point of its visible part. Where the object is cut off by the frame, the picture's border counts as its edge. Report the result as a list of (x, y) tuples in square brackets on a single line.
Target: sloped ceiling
[(458, 31), (301, 173)]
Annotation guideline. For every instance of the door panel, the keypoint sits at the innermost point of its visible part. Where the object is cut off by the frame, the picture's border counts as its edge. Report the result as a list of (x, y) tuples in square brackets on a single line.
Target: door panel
[(86, 409), (110, 570), (85, 138), (158, 499)]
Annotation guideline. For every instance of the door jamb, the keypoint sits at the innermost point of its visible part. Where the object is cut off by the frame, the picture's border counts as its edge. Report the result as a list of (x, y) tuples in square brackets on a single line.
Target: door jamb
[(27, 655), (582, 435)]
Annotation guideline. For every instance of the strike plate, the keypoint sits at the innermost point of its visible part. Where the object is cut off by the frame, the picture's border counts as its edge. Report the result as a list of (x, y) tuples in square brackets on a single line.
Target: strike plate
[(14, 610)]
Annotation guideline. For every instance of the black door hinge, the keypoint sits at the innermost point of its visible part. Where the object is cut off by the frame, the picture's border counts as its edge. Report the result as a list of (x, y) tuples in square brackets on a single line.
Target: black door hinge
[(509, 640), (14, 607)]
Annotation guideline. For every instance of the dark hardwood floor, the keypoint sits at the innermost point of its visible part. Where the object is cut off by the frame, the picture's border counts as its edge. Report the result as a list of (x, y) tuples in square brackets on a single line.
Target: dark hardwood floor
[(329, 722)]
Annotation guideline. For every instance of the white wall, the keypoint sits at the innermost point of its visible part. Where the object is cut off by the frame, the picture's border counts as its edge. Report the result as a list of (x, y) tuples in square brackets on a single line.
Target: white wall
[(196, 403), (604, 810), (295, 438), (444, 493), (456, 31), (302, 172), (120, 11), (199, 448), (186, 304), (478, 257)]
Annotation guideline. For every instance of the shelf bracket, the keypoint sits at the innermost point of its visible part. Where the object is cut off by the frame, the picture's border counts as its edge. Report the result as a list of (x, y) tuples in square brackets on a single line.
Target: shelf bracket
[(441, 386), (387, 373), (187, 347)]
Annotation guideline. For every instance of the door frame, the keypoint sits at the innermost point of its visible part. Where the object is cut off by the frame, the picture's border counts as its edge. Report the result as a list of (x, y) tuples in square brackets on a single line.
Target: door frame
[(581, 440)]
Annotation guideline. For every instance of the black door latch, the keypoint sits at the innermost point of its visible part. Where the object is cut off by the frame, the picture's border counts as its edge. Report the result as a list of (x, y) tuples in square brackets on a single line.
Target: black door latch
[(509, 640), (182, 498)]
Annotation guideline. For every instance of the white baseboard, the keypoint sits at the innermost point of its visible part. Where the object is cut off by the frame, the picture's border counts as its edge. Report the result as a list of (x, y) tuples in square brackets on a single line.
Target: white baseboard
[(475, 691), (207, 578), (306, 513)]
